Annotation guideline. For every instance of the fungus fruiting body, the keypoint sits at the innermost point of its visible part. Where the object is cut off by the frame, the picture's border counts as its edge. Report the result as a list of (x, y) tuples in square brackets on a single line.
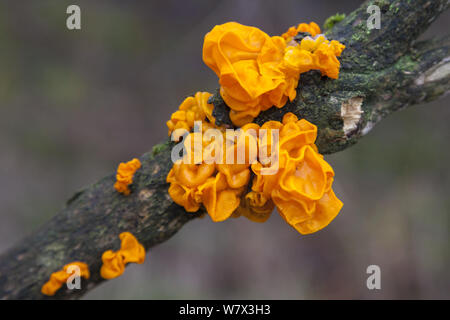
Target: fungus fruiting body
[(114, 262), (124, 176), (57, 279), (257, 72)]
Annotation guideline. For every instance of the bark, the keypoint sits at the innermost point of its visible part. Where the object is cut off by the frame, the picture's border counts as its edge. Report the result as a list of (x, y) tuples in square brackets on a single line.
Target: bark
[(382, 71)]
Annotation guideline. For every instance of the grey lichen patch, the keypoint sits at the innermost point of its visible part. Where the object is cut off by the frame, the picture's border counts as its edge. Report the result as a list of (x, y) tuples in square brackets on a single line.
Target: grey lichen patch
[(156, 169), (145, 194), (168, 198), (52, 255), (351, 114)]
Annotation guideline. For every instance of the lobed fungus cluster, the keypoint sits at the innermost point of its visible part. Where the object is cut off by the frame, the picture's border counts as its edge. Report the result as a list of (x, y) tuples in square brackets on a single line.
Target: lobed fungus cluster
[(301, 188), (257, 72), (299, 181)]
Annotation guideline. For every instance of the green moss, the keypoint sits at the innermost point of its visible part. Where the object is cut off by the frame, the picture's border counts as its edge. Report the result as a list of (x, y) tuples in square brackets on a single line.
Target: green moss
[(159, 147), (331, 21), (356, 37)]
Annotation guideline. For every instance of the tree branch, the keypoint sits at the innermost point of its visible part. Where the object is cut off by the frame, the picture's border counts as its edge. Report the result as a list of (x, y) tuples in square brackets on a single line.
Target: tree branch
[(382, 71)]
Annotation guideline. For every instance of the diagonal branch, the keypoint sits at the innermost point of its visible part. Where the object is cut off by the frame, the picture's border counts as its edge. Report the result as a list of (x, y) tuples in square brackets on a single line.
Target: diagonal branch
[(382, 72)]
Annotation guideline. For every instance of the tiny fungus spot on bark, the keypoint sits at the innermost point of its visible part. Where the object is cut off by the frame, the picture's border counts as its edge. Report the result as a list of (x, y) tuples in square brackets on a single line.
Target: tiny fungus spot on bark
[(351, 113)]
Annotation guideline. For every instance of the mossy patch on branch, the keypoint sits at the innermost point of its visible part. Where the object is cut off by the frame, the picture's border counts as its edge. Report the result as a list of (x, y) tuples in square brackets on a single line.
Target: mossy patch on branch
[(331, 21)]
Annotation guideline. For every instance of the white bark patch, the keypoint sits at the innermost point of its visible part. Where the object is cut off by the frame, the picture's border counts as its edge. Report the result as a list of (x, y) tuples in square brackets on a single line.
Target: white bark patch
[(351, 113), (442, 71), (436, 73), (367, 128)]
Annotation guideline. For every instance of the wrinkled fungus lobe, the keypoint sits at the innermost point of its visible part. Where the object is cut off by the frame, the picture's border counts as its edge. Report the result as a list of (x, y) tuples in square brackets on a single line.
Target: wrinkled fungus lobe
[(302, 187), (57, 279), (114, 261), (124, 176)]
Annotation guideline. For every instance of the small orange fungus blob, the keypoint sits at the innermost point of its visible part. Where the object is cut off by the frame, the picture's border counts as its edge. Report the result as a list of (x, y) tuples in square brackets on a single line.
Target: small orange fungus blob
[(124, 176), (57, 279), (114, 261)]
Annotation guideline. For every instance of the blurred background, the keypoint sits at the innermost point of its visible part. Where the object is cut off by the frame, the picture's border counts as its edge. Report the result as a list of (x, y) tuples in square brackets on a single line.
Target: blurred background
[(73, 104)]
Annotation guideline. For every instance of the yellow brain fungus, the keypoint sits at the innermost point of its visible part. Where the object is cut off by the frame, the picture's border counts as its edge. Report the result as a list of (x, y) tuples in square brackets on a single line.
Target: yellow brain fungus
[(114, 261), (59, 278), (257, 71), (124, 176)]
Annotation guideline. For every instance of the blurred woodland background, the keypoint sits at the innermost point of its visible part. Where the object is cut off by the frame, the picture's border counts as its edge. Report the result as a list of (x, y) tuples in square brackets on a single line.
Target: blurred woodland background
[(73, 104)]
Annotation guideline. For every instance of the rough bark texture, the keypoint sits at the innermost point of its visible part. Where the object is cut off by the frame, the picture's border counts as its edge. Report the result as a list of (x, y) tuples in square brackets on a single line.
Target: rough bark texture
[(382, 71)]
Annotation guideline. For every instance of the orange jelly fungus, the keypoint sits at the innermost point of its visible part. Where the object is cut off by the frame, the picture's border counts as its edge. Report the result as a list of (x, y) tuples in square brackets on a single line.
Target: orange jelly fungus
[(302, 187), (257, 71), (124, 176), (57, 279), (114, 261), (192, 109)]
